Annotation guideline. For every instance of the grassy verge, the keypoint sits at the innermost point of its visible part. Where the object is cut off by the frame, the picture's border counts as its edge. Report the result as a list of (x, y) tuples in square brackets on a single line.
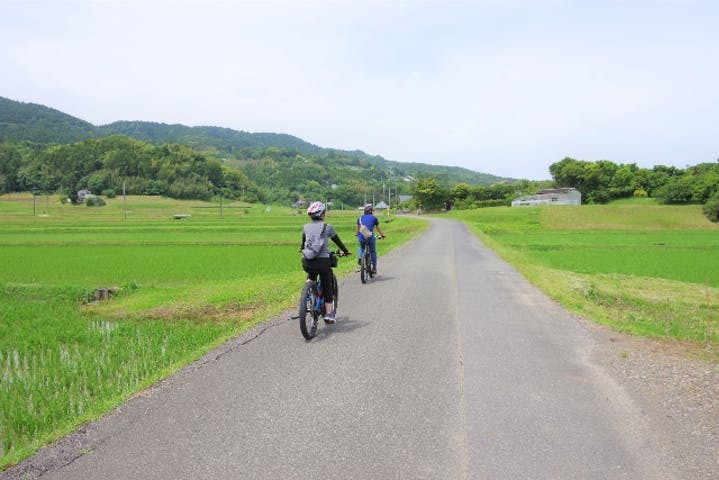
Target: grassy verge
[(648, 270), (185, 286)]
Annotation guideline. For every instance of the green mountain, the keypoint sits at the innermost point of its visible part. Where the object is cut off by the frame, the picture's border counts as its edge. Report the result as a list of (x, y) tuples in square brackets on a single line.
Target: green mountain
[(42, 148), (28, 122), (223, 141)]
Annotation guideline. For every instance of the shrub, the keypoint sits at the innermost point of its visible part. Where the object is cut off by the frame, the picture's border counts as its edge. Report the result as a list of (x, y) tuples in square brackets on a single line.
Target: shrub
[(711, 208), (109, 193), (94, 201)]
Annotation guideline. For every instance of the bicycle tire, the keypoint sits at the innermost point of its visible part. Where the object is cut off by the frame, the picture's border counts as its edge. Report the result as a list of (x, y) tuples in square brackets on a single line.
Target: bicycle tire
[(364, 267), (308, 315), (337, 294)]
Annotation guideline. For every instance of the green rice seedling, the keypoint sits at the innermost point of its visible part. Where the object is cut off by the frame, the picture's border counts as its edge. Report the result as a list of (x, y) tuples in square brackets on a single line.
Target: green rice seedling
[(60, 366), (183, 287)]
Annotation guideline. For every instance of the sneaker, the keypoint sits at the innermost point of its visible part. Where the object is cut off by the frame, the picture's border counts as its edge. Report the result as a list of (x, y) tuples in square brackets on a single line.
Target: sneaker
[(329, 319)]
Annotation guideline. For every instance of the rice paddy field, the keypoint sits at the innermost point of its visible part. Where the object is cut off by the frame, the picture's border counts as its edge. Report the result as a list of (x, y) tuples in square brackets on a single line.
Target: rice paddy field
[(184, 275), (646, 269)]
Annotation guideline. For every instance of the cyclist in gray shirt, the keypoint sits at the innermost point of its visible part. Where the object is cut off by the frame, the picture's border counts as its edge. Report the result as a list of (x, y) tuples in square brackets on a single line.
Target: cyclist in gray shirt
[(320, 265)]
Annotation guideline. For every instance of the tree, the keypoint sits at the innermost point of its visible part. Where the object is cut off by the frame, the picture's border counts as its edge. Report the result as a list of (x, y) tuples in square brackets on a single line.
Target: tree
[(460, 191), (10, 161), (568, 172), (429, 193), (711, 208), (676, 190)]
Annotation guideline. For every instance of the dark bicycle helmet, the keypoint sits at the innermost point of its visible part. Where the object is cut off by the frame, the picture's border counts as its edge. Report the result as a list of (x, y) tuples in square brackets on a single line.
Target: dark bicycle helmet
[(368, 208), (316, 210)]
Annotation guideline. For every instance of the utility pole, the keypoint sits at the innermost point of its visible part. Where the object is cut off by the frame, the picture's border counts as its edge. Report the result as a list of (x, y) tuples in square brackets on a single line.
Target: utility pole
[(389, 200)]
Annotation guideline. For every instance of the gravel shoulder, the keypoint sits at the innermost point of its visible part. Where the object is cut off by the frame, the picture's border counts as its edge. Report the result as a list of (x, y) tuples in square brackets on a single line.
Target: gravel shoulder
[(674, 388)]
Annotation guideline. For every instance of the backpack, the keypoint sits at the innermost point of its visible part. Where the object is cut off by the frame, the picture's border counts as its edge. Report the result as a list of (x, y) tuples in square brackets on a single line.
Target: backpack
[(366, 232), (314, 244)]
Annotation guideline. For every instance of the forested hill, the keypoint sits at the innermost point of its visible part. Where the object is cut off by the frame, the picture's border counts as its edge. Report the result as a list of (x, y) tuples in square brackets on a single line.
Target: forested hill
[(223, 141), (28, 122), (38, 124)]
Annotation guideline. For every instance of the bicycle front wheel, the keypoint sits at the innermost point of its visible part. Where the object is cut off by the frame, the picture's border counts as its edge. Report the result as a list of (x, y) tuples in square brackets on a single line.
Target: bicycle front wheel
[(308, 314), (337, 294)]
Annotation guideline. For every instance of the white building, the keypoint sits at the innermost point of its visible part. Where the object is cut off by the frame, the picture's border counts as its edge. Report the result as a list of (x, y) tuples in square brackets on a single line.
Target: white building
[(552, 196)]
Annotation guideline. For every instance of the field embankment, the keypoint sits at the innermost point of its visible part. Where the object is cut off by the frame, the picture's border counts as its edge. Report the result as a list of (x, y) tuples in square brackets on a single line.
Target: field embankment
[(645, 269), (185, 276)]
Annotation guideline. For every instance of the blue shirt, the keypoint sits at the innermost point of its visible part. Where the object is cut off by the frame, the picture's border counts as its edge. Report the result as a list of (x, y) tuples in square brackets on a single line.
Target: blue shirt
[(369, 221)]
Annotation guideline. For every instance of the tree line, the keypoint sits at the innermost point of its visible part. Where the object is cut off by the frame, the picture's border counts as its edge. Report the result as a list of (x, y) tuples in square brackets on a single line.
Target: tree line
[(599, 182), (117, 163), (44, 149), (603, 181), (113, 164)]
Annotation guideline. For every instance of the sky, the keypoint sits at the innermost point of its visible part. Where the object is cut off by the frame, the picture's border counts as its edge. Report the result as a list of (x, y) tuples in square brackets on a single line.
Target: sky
[(499, 87)]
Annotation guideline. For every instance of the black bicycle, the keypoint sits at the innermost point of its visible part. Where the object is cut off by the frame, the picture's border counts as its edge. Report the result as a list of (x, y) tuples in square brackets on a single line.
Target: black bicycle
[(312, 303), (367, 269)]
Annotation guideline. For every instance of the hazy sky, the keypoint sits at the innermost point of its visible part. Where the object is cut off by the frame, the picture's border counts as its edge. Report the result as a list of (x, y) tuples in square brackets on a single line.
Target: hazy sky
[(499, 87)]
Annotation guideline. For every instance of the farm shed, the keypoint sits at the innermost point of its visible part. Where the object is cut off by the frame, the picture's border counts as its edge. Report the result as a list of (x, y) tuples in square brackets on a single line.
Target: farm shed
[(83, 195), (551, 196)]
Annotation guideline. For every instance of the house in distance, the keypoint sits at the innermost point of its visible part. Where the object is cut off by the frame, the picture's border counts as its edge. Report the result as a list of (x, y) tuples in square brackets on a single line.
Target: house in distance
[(551, 196)]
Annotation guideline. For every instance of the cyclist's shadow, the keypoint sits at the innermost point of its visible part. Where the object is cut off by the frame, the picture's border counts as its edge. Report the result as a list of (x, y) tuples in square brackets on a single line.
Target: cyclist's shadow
[(381, 278), (344, 324)]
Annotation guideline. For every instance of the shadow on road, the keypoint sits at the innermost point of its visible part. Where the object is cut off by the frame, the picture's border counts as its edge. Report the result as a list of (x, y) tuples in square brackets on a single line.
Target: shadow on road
[(343, 325), (379, 278)]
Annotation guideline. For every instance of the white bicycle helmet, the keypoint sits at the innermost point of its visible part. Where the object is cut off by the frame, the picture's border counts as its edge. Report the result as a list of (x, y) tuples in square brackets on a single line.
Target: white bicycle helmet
[(316, 210)]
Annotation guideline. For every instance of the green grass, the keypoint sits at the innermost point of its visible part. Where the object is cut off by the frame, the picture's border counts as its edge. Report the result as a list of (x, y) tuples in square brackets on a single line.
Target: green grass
[(646, 269), (185, 286)]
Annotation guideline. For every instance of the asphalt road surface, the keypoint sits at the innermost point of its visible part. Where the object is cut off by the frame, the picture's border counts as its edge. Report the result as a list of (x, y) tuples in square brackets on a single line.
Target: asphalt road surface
[(449, 365)]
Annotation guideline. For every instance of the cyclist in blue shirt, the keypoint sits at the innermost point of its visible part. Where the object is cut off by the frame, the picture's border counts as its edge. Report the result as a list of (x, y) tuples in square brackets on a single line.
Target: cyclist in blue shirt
[(369, 220)]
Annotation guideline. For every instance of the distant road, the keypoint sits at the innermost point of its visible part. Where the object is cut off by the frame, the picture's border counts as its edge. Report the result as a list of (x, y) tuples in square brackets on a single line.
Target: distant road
[(449, 365)]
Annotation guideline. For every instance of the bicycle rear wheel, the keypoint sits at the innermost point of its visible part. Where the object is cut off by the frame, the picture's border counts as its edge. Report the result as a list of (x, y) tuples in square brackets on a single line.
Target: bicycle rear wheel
[(365, 266), (308, 315)]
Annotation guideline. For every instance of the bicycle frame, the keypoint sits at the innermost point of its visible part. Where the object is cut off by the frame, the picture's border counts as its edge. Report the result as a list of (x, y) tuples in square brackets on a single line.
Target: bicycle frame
[(320, 302), (312, 305), (366, 266)]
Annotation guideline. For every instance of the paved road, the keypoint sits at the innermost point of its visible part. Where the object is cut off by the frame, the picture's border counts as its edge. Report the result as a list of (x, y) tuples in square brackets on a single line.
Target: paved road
[(450, 365)]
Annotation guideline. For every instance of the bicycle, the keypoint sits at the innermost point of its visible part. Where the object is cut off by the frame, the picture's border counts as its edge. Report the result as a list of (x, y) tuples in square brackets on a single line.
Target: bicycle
[(312, 303), (367, 270)]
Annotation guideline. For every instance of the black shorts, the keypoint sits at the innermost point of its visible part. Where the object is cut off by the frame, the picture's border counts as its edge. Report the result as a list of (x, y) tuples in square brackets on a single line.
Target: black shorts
[(321, 267)]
